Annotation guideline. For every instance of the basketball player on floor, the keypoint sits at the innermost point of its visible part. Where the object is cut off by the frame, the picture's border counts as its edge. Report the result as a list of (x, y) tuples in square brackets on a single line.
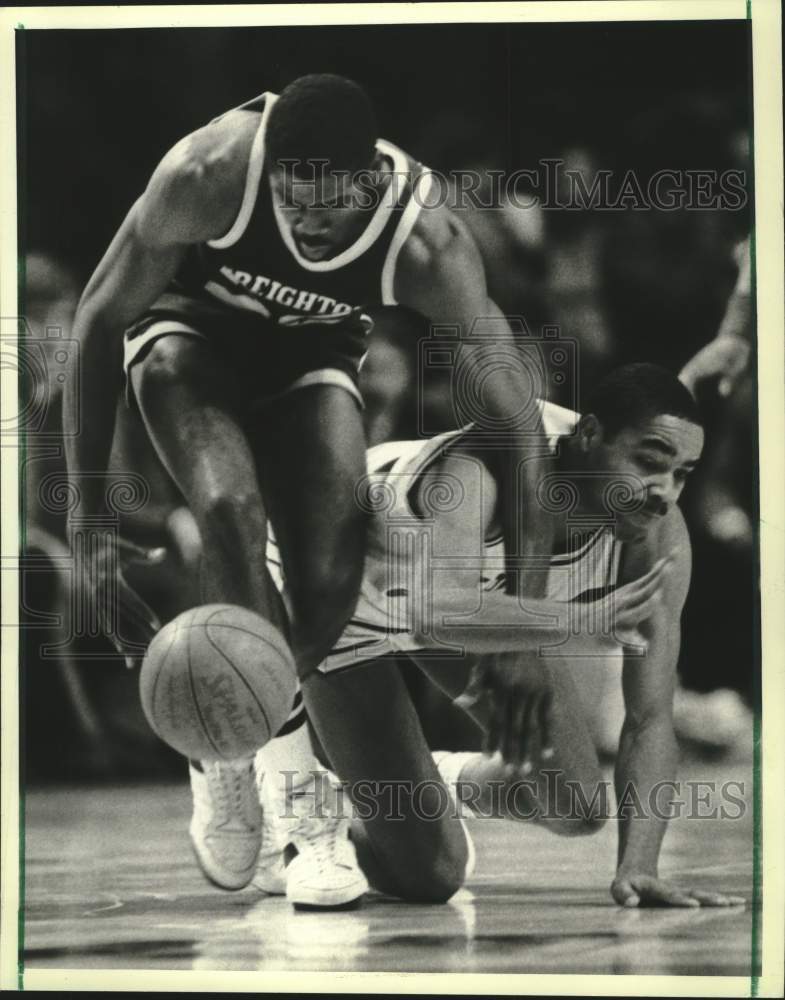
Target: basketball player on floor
[(239, 278), (434, 543)]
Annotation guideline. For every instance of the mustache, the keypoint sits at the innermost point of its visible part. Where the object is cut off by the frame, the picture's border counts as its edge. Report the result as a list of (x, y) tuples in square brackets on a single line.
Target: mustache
[(655, 507)]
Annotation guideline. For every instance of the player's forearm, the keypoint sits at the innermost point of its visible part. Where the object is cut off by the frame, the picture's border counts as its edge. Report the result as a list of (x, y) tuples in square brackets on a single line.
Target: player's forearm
[(647, 757), (90, 396), (536, 543), (737, 321), (522, 468), (499, 625)]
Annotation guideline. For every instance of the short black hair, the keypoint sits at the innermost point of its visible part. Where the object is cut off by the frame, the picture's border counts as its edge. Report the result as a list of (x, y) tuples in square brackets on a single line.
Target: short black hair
[(635, 393), (322, 117)]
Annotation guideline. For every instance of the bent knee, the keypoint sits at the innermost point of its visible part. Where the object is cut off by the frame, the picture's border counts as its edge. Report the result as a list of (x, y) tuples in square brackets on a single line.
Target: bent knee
[(168, 360), (437, 880), (232, 514), (438, 885)]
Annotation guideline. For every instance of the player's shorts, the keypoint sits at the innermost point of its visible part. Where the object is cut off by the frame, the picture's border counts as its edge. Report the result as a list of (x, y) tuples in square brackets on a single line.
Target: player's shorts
[(270, 360)]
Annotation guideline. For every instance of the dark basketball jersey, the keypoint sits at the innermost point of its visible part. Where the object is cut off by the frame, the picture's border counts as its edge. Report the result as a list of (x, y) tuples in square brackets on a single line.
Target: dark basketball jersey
[(256, 266)]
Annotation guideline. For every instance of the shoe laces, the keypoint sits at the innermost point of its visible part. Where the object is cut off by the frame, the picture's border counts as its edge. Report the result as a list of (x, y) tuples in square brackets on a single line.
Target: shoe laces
[(229, 792), (319, 824)]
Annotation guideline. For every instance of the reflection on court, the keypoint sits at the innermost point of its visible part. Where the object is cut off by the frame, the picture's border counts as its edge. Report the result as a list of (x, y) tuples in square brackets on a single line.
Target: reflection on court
[(111, 884)]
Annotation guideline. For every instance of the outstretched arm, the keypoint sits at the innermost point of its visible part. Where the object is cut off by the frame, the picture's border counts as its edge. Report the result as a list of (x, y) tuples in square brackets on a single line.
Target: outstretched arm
[(452, 607), (181, 205), (648, 751), (727, 357), (441, 275)]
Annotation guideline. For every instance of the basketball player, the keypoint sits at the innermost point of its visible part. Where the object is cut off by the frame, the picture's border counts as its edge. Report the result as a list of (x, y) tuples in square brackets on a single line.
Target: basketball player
[(239, 279), (434, 580)]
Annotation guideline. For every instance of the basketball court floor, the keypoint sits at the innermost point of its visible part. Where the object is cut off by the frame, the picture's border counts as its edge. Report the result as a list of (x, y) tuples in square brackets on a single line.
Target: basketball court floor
[(110, 883)]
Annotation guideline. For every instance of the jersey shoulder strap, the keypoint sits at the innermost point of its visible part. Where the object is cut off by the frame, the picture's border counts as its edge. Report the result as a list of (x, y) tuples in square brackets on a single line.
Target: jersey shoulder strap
[(417, 180), (257, 104), (557, 421), (253, 176)]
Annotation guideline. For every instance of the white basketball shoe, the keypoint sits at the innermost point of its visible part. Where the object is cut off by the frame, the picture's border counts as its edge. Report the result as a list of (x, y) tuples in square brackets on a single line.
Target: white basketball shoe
[(310, 856), (226, 825), (270, 874)]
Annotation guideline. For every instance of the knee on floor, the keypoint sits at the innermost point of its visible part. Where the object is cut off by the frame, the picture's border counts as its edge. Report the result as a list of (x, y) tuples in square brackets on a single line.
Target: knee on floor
[(439, 885), (438, 879)]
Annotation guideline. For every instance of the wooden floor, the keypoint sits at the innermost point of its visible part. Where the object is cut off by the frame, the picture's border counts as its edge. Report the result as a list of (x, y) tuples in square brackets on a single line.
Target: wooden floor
[(111, 884)]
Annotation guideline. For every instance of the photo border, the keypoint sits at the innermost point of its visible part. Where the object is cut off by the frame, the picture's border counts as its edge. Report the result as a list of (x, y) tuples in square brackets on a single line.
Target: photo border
[(768, 283)]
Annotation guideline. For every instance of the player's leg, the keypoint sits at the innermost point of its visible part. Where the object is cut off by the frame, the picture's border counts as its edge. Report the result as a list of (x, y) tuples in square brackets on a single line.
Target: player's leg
[(288, 437), (189, 403), (409, 840), (310, 451), (566, 793)]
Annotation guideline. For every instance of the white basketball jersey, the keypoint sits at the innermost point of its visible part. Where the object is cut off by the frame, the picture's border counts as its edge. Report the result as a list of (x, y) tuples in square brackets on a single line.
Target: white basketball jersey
[(399, 566)]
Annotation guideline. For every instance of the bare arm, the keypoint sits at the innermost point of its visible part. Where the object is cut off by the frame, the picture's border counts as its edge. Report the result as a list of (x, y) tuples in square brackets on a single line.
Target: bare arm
[(441, 275), (482, 622), (726, 358), (511, 679), (648, 752), (183, 204), (457, 610)]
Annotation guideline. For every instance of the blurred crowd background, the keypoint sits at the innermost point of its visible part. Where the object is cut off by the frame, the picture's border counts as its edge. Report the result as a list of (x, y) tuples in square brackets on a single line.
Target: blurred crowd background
[(97, 109)]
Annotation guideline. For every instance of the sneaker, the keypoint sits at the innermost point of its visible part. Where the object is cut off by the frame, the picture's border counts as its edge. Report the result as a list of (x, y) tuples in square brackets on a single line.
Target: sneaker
[(226, 825), (270, 874), (321, 869)]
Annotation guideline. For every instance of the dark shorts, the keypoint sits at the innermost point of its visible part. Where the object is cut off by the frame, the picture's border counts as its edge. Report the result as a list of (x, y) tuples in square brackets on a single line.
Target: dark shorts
[(270, 360)]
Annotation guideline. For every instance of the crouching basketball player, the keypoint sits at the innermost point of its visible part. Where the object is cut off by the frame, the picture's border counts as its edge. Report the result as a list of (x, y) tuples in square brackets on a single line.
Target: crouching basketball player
[(433, 591)]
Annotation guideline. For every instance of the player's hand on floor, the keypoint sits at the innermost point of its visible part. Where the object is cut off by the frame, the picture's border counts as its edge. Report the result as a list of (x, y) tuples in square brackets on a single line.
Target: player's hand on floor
[(640, 890), (517, 693), (126, 620)]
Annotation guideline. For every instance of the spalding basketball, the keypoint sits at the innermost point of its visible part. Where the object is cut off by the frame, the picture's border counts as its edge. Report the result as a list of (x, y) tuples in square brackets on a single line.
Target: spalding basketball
[(218, 682)]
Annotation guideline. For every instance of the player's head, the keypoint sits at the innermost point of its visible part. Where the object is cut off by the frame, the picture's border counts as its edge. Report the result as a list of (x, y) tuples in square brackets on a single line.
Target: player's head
[(320, 135), (641, 425), (322, 117)]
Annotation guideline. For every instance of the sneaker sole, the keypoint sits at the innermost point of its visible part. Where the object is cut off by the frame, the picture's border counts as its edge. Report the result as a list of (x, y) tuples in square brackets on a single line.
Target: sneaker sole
[(328, 899), (353, 904), (273, 885), (231, 884)]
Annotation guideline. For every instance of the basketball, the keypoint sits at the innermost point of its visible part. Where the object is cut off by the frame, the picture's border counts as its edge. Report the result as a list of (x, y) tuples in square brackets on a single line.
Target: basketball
[(217, 682)]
